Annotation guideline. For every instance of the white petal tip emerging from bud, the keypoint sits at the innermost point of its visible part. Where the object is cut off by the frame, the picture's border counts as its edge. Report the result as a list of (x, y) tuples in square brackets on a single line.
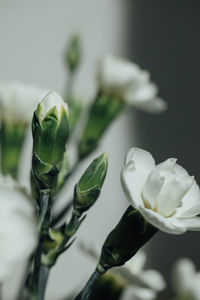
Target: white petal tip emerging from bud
[(52, 99)]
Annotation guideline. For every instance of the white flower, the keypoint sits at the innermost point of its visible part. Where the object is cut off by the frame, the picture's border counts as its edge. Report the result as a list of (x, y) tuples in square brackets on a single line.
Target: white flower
[(51, 100), (186, 280), (17, 227), (18, 101), (126, 80), (140, 284), (166, 195)]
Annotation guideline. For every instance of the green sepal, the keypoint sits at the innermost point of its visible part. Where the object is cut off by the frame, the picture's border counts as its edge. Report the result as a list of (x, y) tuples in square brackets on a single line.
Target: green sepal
[(44, 174), (88, 189), (130, 234), (64, 170), (51, 246), (59, 239), (102, 112), (50, 135)]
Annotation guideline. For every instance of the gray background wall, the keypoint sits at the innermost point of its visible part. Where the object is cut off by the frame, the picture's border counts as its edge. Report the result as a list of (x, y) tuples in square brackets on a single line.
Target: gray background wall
[(164, 38)]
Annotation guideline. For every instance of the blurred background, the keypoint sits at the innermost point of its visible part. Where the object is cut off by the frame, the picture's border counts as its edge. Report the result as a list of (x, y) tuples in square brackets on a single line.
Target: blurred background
[(162, 37)]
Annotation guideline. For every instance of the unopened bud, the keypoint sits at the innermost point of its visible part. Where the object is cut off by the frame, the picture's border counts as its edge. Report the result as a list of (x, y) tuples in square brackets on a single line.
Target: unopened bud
[(50, 128), (73, 54), (88, 188)]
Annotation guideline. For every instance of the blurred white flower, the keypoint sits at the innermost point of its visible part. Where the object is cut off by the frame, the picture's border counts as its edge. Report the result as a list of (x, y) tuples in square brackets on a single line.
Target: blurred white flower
[(186, 280), (166, 195), (18, 101), (126, 80), (140, 284), (17, 227)]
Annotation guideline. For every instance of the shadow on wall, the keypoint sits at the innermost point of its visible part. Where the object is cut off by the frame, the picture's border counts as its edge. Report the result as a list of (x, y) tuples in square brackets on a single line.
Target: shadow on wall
[(166, 41)]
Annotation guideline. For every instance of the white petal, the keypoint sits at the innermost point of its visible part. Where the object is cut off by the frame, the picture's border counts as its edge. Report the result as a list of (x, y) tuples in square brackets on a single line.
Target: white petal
[(145, 92), (166, 169), (170, 196), (115, 74), (154, 105), (138, 164), (190, 204), (138, 293), (168, 225), (136, 264), (143, 160), (51, 100), (153, 279), (152, 188), (192, 224), (183, 274), (181, 173), (132, 185)]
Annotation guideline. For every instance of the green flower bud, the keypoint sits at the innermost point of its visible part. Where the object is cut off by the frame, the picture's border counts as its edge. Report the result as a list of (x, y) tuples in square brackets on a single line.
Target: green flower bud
[(103, 111), (88, 189), (130, 234), (73, 53), (11, 142), (50, 128)]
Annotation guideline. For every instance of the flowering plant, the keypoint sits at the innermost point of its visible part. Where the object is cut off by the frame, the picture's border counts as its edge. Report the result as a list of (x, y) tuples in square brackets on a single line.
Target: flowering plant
[(161, 197)]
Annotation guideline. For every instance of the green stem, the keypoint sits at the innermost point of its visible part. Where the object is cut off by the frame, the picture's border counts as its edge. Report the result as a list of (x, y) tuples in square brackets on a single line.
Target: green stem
[(69, 86), (43, 278), (40, 274), (87, 290)]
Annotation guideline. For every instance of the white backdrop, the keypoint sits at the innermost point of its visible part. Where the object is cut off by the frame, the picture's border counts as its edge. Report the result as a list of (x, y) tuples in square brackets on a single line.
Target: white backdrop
[(33, 36)]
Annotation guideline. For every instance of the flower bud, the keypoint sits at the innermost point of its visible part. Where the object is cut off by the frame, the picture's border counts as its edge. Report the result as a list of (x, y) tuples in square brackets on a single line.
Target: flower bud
[(103, 111), (88, 188), (130, 234), (50, 130), (73, 53)]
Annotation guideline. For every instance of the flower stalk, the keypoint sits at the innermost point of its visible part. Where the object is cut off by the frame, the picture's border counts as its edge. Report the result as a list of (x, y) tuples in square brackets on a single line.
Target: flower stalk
[(11, 142), (87, 290)]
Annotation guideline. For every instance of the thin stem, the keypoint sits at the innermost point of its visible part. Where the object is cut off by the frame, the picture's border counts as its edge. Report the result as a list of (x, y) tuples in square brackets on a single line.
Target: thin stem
[(69, 86), (40, 275), (62, 213), (87, 290), (43, 278)]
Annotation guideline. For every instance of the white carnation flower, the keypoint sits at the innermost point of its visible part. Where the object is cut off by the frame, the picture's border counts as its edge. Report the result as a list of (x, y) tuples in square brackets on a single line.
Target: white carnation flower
[(18, 101), (126, 80), (166, 195), (186, 280), (17, 227)]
